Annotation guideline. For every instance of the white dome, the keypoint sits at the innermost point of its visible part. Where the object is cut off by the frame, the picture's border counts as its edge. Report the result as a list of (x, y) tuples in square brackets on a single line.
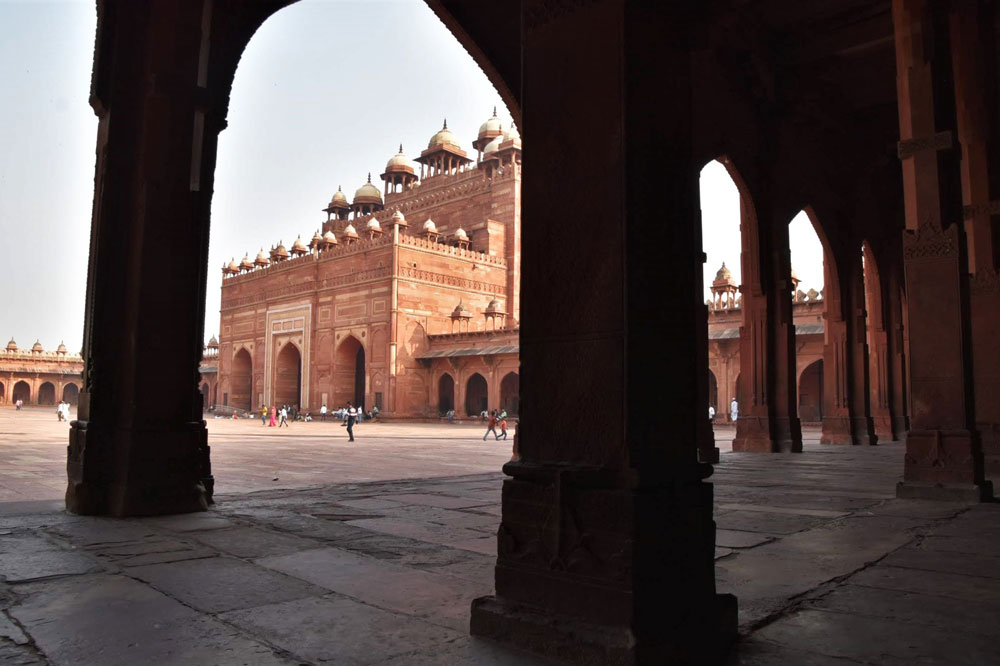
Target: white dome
[(349, 230), (493, 145), (430, 226), (373, 225), (442, 136), (460, 234)]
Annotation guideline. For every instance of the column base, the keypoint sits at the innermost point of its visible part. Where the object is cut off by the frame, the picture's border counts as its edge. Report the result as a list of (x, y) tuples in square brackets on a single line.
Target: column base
[(575, 641), (945, 492), (836, 431), (900, 426), (133, 472), (863, 431), (989, 434), (753, 435)]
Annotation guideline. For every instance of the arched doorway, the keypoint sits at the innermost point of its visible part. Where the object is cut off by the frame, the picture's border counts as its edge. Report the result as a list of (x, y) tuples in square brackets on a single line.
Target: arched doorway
[(47, 394), (204, 396), (22, 391), (509, 398), (71, 393), (349, 376), (476, 395), (241, 383), (3, 392), (811, 393), (713, 392), (446, 394), (288, 376)]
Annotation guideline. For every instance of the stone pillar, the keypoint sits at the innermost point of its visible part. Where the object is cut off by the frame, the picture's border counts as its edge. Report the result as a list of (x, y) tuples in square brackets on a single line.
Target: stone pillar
[(836, 412), (139, 445), (899, 403), (878, 345), (859, 386), (786, 430), (943, 453), (606, 544), (753, 431), (974, 62)]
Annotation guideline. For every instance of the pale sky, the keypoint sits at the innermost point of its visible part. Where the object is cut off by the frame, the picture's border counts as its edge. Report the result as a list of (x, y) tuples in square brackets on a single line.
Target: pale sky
[(325, 92)]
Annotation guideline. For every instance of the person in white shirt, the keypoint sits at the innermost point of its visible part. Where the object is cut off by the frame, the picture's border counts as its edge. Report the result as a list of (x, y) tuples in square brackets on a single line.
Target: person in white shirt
[(734, 410), (711, 413), (352, 416), (322, 412), (284, 417)]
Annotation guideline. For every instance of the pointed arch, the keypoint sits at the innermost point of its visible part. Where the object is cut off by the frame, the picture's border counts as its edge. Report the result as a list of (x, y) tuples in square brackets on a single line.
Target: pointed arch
[(350, 368), (288, 376), (71, 393), (241, 380)]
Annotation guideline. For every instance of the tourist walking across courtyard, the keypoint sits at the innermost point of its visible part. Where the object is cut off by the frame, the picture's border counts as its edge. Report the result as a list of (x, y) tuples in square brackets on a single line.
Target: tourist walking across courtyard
[(322, 413), (284, 416), (263, 415), (352, 416), (491, 426), (274, 417), (734, 410), (503, 425)]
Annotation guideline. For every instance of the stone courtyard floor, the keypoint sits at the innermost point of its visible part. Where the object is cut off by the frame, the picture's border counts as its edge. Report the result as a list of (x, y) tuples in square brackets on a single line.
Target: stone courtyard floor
[(343, 560)]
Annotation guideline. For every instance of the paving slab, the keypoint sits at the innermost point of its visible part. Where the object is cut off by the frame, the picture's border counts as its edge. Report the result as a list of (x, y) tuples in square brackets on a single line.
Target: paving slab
[(740, 539), (439, 598), (341, 630), (108, 620), (222, 583), (19, 567), (190, 522), (986, 565), (440, 501)]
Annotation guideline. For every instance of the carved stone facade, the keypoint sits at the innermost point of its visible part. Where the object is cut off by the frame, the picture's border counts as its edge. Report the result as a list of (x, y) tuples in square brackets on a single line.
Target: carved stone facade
[(39, 377)]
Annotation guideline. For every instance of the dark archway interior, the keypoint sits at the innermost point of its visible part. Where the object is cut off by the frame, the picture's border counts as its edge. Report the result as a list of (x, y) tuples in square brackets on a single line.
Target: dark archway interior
[(241, 386), (21, 392), (288, 376), (811, 393), (47, 394), (476, 395), (446, 394), (510, 393), (359, 377), (713, 391), (71, 393)]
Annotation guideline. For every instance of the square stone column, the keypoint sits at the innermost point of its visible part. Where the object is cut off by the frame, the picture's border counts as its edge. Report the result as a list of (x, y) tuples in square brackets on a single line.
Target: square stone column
[(943, 452), (606, 545), (139, 445)]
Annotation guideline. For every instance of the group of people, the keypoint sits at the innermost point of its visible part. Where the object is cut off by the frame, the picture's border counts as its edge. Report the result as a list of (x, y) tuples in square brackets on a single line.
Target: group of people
[(734, 411), (279, 415), (497, 419), (62, 410), (19, 404)]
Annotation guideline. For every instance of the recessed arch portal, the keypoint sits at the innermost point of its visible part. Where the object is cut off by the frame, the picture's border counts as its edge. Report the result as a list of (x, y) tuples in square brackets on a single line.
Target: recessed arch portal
[(476, 395), (47, 394), (241, 383), (21, 391), (349, 375), (446, 393), (811, 393), (509, 393), (71, 393), (288, 376), (204, 396), (3, 392), (713, 391)]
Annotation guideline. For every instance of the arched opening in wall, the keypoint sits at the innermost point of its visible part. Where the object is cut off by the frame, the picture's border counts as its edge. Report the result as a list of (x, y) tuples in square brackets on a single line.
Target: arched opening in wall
[(241, 382), (71, 393), (47, 394), (204, 397), (446, 394), (811, 394), (476, 395), (22, 392), (713, 392), (3, 393), (349, 374), (288, 376), (877, 341), (812, 271), (509, 398), (739, 392)]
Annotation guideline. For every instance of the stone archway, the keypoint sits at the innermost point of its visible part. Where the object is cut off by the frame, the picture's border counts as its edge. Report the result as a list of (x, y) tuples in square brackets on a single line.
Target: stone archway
[(204, 396), (349, 375), (21, 391), (510, 393), (241, 381), (288, 376), (713, 391), (3, 392), (476, 395), (47, 394), (446, 393), (811, 393), (71, 393)]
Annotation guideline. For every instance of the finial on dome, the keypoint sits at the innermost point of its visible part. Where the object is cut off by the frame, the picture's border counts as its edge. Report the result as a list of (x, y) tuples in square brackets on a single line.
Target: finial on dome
[(494, 110), (369, 176), (445, 124), (400, 149)]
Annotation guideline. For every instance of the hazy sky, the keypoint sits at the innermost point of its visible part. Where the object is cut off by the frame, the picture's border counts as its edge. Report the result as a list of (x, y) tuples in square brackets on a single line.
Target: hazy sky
[(325, 93)]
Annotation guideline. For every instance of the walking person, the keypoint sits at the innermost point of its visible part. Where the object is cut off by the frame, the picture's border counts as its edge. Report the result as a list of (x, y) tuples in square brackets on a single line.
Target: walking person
[(322, 412), (711, 413), (263, 415), (352, 416), (503, 425), (274, 414), (284, 417), (491, 426), (734, 410)]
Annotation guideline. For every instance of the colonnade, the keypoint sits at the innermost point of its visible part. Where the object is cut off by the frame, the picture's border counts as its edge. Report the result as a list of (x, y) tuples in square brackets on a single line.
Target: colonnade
[(606, 545)]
